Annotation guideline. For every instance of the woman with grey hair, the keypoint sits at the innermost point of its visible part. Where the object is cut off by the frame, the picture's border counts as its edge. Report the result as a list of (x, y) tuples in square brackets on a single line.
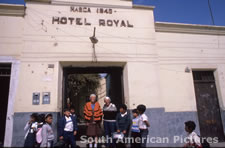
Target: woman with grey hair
[(93, 116), (109, 112)]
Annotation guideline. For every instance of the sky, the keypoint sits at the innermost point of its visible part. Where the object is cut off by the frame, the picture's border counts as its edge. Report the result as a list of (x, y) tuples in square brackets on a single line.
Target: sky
[(179, 11), (187, 11)]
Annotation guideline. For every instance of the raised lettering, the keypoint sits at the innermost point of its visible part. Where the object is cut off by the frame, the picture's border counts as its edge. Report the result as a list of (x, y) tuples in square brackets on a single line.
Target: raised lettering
[(86, 23), (63, 20), (122, 24), (55, 19), (109, 23), (71, 19), (101, 22), (78, 21), (116, 22), (72, 9), (129, 25)]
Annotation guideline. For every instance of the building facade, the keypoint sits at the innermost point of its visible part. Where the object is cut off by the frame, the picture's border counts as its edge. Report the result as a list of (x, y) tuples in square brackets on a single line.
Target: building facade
[(176, 70)]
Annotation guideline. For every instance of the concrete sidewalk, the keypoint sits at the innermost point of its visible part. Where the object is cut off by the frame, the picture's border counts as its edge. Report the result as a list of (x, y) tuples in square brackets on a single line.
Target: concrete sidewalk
[(221, 144)]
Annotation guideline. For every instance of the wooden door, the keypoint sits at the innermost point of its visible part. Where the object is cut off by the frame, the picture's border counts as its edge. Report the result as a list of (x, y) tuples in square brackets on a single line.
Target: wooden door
[(208, 105)]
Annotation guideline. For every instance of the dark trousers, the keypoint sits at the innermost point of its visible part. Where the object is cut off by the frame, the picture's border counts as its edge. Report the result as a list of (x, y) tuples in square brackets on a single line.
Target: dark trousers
[(69, 139), (136, 143), (144, 135), (30, 140), (110, 128), (122, 142)]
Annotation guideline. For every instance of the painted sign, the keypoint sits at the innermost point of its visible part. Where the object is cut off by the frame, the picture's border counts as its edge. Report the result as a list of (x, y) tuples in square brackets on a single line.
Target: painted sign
[(82, 21)]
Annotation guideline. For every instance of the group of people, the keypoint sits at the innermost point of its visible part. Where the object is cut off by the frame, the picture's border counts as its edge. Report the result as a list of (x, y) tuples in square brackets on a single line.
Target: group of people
[(39, 132), (115, 122)]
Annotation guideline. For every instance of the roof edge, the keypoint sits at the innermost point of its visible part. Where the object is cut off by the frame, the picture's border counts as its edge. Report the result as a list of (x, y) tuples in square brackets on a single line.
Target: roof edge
[(42, 1), (137, 6), (124, 4), (12, 10), (189, 28)]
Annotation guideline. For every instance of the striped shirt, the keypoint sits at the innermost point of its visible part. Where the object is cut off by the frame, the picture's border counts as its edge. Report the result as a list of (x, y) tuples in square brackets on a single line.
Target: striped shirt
[(135, 125)]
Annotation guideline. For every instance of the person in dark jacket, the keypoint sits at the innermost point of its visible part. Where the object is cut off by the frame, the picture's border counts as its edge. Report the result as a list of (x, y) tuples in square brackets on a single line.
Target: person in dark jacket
[(123, 120), (123, 123), (72, 111), (109, 112), (68, 128)]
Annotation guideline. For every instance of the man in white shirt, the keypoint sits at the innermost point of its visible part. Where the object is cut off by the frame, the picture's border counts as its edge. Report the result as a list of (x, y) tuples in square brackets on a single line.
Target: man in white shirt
[(193, 140), (68, 128)]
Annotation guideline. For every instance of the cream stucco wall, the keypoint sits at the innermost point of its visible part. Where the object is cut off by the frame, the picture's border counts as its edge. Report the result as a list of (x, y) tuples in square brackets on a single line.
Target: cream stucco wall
[(37, 77), (11, 39), (143, 83), (180, 50), (44, 43), (153, 61), (10, 50)]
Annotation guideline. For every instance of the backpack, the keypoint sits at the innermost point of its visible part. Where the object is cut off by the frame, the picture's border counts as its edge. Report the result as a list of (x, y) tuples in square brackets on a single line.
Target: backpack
[(204, 142), (39, 136), (41, 119)]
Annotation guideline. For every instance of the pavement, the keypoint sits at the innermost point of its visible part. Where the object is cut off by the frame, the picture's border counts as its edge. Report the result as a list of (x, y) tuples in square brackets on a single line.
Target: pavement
[(221, 144), (213, 145)]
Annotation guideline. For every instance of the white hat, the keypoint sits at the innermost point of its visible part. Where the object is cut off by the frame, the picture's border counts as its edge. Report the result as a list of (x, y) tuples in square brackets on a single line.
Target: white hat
[(92, 95), (107, 98)]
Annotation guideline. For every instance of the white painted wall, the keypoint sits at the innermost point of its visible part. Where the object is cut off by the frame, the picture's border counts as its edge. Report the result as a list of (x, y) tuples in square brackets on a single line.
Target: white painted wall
[(143, 83), (15, 64), (178, 51), (154, 62), (45, 43), (37, 77), (10, 49), (11, 29)]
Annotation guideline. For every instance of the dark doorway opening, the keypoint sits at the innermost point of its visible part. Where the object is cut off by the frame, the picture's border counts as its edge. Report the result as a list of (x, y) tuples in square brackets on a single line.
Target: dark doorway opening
[(208, 105), (5, 71), (77, 94)]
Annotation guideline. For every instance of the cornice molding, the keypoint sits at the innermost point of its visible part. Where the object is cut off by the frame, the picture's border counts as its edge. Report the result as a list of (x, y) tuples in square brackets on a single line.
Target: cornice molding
[(86, 3), (12, 10), (41, 1), (135, 6), (189, 28)]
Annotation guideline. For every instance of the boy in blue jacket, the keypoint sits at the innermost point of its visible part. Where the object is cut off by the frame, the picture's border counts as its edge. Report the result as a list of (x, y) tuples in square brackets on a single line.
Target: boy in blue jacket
[(123, 120), (68, 128)]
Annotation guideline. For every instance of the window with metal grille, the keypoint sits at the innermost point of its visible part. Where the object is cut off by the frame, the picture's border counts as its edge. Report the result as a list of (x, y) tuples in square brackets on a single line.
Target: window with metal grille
[(5, 70), (203, 76)]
